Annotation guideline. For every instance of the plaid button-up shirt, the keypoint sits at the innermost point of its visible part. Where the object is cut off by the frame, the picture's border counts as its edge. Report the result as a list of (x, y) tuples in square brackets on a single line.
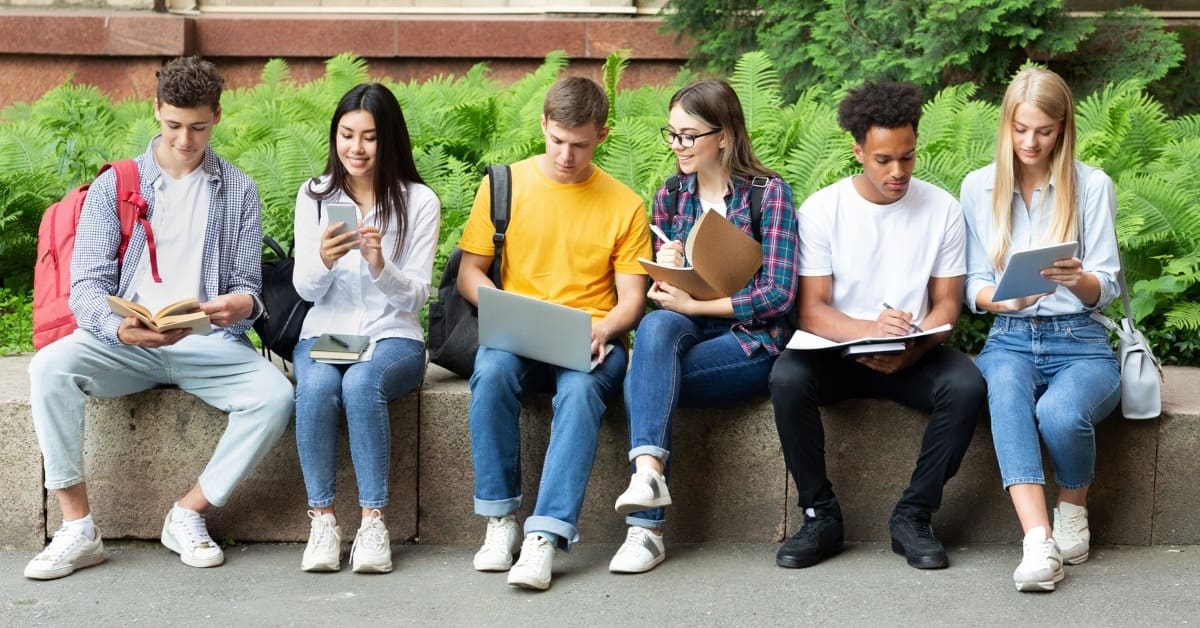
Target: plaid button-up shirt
[(232, 244), (763, 308)]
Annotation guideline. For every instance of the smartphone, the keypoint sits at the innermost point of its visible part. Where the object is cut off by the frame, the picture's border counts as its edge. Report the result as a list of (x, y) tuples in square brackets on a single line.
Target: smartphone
[(343, 212)]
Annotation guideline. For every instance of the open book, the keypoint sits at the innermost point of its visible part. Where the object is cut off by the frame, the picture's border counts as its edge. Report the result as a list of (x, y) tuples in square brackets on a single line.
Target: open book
[(723, 259), (803, 340), (183, 314)]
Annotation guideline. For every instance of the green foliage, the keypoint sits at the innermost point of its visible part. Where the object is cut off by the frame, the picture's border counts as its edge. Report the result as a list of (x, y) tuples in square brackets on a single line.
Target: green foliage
[(934, 43), (16, 322), (278, 130)]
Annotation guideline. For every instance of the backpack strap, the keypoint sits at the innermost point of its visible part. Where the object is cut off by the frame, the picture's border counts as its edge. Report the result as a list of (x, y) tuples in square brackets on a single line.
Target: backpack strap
[(500, 177), (132, 208), (757, 186), (671, 203)]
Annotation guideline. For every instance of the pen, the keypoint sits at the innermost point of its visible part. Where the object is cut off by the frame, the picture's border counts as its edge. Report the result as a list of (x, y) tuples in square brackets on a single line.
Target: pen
[(914, 326), (660, 233), (339, 341)]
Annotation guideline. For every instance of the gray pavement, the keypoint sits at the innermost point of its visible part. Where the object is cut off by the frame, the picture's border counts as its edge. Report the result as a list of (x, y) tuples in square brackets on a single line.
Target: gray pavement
[(717, 584)]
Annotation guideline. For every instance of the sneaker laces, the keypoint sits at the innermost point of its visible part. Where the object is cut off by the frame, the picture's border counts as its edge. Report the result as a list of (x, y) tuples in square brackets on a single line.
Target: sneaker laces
[(635, 540), (196, 531), (372, 532), (1072, 525), (496, 537), (65, 540), (535, 552), (322, 530)]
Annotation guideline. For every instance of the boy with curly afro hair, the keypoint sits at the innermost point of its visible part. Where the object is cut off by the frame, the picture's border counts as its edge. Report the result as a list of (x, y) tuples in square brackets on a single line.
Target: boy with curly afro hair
[(881, 255)]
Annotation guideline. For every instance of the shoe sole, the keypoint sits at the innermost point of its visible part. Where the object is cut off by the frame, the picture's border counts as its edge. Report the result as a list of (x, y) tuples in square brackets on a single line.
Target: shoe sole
[(531, 583), (1077, 560), (1039, 586), (372, 568), (85, 562), (642, 568), (169, 542), (791, 562), (921, 562), (493, 567), (321, 567), (625, 507)]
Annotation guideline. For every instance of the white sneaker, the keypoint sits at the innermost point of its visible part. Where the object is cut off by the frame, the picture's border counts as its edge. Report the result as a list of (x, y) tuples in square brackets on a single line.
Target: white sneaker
[(503, 539), (372, 549), (1071, 530), (532, 570), (188, 537), (1041, 566), (324, 549), (67, 551), (647, 489), (642, 551)]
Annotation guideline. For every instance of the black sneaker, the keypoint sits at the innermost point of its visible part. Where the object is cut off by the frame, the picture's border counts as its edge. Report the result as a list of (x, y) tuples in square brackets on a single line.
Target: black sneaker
[(912, 536), (817, 539)]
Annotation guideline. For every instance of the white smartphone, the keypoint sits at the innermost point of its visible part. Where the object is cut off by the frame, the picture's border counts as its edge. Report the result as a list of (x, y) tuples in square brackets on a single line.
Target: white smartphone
[(343, 212)]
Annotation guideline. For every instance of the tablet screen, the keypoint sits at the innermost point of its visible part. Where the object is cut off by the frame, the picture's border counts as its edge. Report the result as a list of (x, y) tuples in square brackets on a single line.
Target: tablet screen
[(1023, 276)]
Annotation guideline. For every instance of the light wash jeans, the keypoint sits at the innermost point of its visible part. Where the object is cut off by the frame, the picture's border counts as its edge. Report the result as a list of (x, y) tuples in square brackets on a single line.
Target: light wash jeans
[(499, 382), (1055, 377), (363, 390), (225, 374), (689, 362)]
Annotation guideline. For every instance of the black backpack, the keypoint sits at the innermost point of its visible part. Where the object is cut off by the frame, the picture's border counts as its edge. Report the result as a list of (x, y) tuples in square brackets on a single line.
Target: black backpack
[(283, 310), (453, 321)]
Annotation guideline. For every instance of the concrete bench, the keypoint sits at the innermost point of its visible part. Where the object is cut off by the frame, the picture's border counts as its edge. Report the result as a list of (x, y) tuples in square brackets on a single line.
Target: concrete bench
[(728, 477)]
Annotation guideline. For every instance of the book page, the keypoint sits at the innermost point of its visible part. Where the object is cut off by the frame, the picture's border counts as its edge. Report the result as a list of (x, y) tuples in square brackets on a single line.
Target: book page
[(803, 340)]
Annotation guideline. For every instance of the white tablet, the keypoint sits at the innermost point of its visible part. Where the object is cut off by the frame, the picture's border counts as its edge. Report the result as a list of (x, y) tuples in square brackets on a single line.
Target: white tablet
[(1023, 276)]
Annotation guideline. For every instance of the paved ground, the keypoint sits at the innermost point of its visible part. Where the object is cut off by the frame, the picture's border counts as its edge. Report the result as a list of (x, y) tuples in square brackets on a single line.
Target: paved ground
[(710, 584)]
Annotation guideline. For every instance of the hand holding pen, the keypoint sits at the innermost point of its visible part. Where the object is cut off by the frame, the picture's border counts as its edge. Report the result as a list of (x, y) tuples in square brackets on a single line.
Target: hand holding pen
[(913, 328), (671, 251)]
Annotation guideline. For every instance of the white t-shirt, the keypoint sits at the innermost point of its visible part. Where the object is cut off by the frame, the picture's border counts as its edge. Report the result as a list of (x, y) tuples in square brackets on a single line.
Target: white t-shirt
[(879, 253), (179, 222)]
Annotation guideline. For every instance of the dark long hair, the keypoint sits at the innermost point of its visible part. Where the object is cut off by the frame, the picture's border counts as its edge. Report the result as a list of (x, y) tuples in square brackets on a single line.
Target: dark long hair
[(394, 163)]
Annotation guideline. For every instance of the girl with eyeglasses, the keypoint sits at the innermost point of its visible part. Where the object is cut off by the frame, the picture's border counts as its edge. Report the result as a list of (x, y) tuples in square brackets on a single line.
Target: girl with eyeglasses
[(692, 352)]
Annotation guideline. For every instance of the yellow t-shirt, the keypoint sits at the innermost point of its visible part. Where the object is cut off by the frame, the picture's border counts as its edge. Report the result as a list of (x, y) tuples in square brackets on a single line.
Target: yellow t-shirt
[(564, 242)]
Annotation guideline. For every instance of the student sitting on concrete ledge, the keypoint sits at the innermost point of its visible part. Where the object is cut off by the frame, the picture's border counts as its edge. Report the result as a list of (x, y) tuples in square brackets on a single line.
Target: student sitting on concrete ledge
[(204, 213)]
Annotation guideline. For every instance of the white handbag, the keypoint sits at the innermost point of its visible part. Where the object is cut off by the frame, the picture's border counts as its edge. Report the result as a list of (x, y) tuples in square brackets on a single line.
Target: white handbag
[(1141, 373)]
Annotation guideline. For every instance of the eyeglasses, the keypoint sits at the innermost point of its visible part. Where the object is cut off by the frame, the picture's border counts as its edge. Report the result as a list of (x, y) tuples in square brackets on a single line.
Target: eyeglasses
[(686, 140)]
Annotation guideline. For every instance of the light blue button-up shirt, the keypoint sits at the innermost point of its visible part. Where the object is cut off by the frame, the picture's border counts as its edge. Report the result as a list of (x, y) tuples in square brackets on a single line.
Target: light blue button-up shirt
[(1096, 200)]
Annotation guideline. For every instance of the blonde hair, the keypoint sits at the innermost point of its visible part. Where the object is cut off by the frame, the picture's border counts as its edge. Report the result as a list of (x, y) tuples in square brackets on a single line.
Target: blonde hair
[(1048, 92)]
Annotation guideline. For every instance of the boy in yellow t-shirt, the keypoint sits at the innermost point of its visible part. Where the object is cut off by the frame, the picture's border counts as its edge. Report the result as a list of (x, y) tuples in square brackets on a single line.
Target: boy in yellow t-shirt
[(573, 238)]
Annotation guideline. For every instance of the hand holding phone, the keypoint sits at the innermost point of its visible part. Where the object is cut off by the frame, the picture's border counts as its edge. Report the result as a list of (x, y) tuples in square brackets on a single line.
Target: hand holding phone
[(345, 213)]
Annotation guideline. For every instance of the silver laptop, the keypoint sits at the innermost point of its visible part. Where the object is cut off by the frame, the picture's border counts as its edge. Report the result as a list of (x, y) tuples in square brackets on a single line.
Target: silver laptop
[(532, 328)]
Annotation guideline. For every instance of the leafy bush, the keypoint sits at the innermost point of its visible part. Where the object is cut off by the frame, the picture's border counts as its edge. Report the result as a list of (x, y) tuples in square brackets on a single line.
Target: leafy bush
[(934, 43), (277, 132)]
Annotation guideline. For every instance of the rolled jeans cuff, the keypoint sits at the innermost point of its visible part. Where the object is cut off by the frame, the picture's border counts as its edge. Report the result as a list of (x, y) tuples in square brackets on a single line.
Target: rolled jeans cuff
[(566, 533), (649, 450), (497, 508), (650, 524)]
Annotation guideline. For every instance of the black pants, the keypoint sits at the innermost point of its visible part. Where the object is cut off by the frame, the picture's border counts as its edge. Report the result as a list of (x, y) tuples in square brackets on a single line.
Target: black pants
[(944, 383)]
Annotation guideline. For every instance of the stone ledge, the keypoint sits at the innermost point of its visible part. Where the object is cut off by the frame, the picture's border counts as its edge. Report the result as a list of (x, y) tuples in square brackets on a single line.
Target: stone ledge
[(728, 480)]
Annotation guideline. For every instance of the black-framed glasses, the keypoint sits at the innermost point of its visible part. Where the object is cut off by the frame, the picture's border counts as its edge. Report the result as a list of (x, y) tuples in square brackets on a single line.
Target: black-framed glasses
[(686, 140)]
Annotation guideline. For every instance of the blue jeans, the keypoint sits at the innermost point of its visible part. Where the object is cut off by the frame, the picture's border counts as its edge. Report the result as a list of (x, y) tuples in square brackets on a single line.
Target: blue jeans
[(225, 374), (1055, 377), (363, 390), (683, 361), (499, 382)]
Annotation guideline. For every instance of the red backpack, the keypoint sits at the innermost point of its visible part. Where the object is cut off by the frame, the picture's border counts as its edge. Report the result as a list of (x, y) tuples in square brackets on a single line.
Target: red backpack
[(52, 317)]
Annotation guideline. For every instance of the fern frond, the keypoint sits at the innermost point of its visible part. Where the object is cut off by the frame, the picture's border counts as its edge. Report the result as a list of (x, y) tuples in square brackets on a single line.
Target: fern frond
[(614, 67), (757, 85)]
